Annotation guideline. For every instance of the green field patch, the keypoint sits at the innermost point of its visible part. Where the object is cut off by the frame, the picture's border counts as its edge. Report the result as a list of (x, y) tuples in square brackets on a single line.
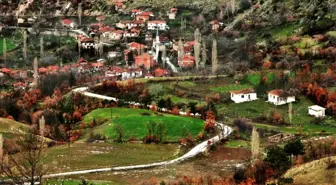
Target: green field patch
[(236, 144), (83, 156), (284, 31), (9, 44), (232, 87), (255, 78), (135, 124)]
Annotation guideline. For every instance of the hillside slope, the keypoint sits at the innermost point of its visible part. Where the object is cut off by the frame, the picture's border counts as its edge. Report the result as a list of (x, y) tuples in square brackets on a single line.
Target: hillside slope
[(314, 172)]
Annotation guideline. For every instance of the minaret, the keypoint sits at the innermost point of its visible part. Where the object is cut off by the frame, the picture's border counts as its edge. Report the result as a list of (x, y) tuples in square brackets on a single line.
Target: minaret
[(157, 46)]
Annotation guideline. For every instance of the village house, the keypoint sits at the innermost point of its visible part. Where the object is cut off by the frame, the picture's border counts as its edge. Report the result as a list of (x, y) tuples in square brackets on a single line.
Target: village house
[(279, 97), (113, 54), (68, 23), (133, 33), (135, 12), (144, 16), (148, 75), (19, 86), (86, 42), (148, 36), (119, 6), (130, 24), (20, 74), (6, 71), (215, 25), (136, 46), (157, 24), (316, 111), (98, 66), (244, 95), (145, 60), (187, 61), (172, 13)]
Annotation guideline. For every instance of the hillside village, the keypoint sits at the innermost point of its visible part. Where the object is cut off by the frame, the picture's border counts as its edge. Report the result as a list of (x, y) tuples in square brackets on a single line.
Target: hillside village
[(167, 92)]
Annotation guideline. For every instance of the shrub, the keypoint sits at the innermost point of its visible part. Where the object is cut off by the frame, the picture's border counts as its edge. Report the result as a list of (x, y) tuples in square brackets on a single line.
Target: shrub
[(145, 114), (244, 5), (243, 125)]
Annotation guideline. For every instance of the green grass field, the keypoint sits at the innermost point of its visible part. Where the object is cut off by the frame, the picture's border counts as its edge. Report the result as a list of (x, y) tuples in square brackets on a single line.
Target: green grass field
[(9, 127), (81, 156), (255, 78), (232, 87), (10, 45), (236, 144), (261, 107), (134, 123)]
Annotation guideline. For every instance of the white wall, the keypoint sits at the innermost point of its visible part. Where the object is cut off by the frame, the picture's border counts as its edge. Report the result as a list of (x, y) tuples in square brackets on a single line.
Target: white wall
[(239, 98), (276, 100), (153, 26), (319, 113)]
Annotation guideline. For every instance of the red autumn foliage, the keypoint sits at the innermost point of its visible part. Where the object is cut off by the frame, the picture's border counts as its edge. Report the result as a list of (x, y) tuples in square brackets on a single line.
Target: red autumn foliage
[(210, 122), (176, 111), (267, 64)]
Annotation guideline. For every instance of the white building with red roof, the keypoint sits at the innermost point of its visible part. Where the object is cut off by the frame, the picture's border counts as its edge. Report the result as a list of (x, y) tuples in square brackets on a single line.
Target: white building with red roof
[(244, 95), (215, 25), (280, 97), (144, 16), (157, 24), (172, 13), (136, 46), (68, 23), (188, 61)]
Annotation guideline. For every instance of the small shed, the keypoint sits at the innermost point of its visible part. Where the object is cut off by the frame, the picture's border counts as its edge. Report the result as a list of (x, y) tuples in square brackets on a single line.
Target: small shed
[(316, 111)]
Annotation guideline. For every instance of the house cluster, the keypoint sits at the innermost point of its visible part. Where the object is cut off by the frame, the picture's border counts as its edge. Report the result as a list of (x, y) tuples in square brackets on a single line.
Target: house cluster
[(276, 97)]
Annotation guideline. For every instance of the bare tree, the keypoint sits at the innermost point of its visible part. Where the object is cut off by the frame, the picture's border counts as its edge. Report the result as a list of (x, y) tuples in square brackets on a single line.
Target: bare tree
[(214, 58), (120, 131), (25, 166)]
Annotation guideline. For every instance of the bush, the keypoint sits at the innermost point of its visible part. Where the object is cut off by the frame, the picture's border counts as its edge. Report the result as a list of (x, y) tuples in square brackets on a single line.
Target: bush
[(244, 5), (243, 125), (94, 137), (145, 114)]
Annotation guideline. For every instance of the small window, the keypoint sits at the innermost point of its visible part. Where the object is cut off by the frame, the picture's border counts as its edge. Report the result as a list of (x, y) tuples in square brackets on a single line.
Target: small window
[(242, 96)]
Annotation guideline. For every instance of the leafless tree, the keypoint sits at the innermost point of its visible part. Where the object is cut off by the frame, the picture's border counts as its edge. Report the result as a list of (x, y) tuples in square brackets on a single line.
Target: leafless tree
[(25, 166), (197, 47)]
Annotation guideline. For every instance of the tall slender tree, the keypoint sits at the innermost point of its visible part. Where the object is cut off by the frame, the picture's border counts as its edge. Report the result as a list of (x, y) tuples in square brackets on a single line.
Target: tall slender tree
[(80, 12), (290, 110), (35, 66), (180, 50), (5, 51), (214, 58), (42, 126), (197, 47), (25, 45), (204, 54), (1, 147), (255, 142), (41, 47)]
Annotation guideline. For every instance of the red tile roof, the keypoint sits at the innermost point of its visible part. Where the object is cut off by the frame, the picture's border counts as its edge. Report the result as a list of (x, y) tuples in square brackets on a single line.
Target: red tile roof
[(6, 70), (98, 64), (43, 70), (160, 72), (136, 45), (118, 31), (214, 22), (157, 22), (276, 92), (243, 91), (67, 21)]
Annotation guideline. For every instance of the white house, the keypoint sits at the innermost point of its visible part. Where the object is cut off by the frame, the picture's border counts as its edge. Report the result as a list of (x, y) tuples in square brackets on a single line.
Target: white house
[(244, 95), (316, 111), (278, 97), (157, 24)]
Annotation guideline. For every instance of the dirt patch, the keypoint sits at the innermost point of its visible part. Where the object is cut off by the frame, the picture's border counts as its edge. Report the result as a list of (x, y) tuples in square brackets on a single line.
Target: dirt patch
[(223, 153)]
